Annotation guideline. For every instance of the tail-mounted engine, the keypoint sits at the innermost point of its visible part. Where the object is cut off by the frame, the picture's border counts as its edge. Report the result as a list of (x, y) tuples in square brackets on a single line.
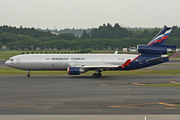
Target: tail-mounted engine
[(156, 49), (75, 70)]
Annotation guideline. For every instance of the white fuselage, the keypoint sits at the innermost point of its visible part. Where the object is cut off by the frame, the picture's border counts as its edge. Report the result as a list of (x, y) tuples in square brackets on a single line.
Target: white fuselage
[(63, 61)]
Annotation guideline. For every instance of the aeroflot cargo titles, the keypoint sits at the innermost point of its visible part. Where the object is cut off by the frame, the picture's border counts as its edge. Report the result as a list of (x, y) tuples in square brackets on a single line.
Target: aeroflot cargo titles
[(75, 64)]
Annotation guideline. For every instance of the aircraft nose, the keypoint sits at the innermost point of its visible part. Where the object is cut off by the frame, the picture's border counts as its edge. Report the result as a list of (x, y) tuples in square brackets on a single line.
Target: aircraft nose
[(6, 63)]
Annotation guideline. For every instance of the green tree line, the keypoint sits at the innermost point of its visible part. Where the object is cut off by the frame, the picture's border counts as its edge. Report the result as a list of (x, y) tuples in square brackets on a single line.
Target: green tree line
[(104, 37), (76, 32)]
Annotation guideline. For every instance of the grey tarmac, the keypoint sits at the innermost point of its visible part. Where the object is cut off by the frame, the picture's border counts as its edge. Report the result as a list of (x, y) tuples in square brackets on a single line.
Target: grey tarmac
[(2, 64), (83, 95), (89, 117)]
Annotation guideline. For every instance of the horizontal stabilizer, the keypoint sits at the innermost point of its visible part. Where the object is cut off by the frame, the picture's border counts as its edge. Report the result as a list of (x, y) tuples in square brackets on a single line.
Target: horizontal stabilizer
[(157, 59)]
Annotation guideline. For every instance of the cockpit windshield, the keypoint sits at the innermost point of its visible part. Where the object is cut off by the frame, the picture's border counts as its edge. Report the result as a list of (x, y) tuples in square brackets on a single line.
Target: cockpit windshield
[(10, 59)]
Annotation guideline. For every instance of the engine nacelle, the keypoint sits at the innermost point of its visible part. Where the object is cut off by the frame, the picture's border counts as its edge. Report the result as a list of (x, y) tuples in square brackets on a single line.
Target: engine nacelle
[(159, 49), (75, 70)]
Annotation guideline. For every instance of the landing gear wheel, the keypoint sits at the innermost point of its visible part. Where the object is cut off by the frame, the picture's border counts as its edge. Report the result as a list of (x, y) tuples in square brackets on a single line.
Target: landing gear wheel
[(94, 75), (28, 75), (98, 75)]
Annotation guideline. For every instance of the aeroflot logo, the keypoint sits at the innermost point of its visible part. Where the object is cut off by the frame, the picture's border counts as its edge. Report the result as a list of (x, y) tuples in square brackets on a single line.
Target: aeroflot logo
[(59, 58), (65, 58), (77, 58)]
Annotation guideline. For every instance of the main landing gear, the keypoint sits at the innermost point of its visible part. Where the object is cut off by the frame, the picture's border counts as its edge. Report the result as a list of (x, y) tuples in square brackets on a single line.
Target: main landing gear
[(97, 74), (28, 75)]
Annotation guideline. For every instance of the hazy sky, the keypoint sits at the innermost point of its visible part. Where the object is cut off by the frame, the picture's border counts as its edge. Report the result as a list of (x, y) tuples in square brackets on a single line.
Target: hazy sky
[(89, 13)]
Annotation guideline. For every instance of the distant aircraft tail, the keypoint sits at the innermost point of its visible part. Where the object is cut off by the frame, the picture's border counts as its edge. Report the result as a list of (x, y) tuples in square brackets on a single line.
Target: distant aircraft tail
[(161, 37)]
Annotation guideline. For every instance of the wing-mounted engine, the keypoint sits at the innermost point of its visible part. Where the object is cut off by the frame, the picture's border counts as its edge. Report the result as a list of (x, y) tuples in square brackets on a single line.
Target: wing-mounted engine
[(75, 70), (156, 49)]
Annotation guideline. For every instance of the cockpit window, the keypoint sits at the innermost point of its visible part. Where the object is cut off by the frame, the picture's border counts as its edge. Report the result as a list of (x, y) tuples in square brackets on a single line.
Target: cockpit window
[(11, 59)]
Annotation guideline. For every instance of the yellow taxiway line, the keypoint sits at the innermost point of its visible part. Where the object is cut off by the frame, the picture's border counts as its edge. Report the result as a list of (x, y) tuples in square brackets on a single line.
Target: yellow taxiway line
[(138, 84), (174, 82), (167, 104)]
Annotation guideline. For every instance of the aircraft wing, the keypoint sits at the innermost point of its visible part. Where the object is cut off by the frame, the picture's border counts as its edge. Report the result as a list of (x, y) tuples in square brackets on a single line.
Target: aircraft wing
[(100, 66), (90, 66)]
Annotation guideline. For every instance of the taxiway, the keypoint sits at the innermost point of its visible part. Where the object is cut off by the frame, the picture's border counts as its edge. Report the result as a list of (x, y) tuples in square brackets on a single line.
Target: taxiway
[(83, 95)]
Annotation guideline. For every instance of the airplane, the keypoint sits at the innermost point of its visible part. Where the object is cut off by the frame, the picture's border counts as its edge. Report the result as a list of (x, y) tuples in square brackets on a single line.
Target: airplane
[(151, 54)]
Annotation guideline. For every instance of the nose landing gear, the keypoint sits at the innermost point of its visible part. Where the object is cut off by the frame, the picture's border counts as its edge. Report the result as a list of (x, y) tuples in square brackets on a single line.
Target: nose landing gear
[(28, 75)]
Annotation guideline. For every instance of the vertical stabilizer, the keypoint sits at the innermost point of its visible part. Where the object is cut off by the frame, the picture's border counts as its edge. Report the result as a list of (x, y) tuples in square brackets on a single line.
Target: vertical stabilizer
[(161, 37)]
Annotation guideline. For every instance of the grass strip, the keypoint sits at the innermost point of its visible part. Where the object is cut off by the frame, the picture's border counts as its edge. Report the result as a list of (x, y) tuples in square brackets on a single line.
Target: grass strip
[(11, 71)]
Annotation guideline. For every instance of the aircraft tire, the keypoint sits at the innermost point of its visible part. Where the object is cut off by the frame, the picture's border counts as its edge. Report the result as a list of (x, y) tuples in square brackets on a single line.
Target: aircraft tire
[(28, 75), (99, 75), (94, 75)]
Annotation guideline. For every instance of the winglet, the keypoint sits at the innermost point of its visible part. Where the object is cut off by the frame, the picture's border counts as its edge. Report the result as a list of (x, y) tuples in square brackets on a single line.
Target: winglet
[(126, 63)]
